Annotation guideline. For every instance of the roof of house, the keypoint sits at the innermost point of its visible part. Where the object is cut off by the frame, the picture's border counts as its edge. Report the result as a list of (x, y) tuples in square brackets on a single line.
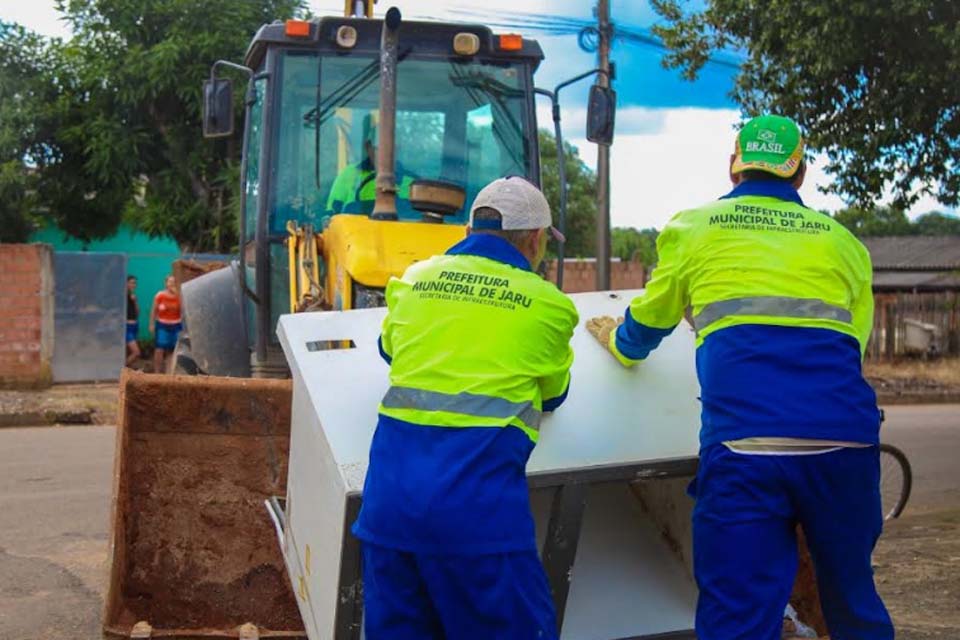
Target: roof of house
[(914, 253), (916, 280)]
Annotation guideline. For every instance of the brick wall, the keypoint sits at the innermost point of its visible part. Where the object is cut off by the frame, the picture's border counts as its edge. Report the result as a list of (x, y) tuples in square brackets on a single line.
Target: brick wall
[(581, 275), (26, 315)]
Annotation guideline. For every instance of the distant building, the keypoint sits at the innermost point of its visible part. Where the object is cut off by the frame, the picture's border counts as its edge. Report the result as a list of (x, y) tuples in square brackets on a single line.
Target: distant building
[(916, 284), (915, 263)]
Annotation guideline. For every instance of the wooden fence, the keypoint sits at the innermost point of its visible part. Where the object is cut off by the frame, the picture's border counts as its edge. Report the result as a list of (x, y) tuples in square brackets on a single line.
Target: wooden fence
[(941, 309)]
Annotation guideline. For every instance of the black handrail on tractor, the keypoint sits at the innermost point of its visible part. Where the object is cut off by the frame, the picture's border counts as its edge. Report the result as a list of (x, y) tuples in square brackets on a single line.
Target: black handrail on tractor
[(561, 160)]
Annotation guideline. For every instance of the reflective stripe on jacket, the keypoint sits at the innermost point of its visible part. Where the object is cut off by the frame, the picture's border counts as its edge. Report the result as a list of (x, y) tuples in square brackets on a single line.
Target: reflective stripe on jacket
[(479, 347), (476, 341), (780, 298)]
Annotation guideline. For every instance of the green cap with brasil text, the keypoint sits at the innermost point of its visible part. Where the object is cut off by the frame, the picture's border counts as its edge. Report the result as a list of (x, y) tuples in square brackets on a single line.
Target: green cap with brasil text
[(769, 143)]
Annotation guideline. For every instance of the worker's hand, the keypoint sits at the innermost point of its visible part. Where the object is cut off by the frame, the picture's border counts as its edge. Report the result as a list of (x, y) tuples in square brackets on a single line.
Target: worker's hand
[(604, 329), (152, 328), (601, 327)]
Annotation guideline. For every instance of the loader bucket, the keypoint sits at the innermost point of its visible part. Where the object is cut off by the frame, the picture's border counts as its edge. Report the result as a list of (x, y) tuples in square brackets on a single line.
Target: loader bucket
[(193, 551)]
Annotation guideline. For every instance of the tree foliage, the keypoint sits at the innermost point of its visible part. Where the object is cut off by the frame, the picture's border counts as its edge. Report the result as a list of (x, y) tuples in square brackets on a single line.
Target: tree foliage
[(937, 224), (628, 243), (581, 222), (873, 84), (876, 221), (118, 113), (887, 221), (27, 111)]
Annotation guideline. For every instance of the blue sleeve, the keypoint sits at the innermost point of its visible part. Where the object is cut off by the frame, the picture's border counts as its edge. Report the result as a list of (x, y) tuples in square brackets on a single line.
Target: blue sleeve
[(552, 404), (383, 354), (635, 340)]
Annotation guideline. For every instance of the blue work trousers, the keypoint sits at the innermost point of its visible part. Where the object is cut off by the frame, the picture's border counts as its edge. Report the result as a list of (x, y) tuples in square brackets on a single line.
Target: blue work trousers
[(745, 547), (413, 596)]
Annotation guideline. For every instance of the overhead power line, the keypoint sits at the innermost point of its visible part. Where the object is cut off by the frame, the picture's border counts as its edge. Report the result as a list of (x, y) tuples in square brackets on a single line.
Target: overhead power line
[(583, 28)]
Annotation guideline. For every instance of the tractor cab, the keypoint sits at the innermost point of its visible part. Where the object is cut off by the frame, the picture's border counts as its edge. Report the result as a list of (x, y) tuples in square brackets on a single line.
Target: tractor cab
[(464, 116)]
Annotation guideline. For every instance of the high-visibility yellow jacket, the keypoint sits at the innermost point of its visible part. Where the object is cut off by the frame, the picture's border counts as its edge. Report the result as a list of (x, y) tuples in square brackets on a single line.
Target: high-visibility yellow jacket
[(354, 190), (780, 298), (479, 348)]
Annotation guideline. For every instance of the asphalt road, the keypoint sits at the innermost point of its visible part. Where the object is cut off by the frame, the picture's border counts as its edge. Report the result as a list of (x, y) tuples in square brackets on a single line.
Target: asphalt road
[(54, 505), (930, 436), (55, 500)]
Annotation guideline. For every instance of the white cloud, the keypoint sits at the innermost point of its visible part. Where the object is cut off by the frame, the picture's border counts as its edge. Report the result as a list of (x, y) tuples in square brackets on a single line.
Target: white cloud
[(678, 166), (40, 16), (681, 163), (630, 121)]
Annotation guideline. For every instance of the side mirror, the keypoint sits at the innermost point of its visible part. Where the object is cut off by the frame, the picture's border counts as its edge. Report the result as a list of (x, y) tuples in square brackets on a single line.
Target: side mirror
[(217, 108), (601, 112)]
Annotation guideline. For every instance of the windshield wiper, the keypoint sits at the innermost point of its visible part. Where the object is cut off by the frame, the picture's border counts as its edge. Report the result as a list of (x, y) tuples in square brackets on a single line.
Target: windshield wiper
[(495, 91), (346, 92), (340, 97)]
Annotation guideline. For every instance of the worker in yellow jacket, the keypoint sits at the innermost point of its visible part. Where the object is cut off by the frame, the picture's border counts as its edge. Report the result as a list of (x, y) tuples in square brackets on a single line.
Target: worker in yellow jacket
[(780, 299), (479, 348), (354, 189)]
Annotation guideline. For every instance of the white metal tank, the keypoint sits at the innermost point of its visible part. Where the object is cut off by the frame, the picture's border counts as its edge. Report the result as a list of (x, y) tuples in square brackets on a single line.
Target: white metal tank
[(617, 555)]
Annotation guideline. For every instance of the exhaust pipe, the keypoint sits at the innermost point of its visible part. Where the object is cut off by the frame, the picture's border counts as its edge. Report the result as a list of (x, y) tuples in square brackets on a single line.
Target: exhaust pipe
[(385, 205)]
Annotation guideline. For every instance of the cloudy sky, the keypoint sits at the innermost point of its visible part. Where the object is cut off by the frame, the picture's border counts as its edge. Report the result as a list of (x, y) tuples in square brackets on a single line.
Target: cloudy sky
[(663, 123)]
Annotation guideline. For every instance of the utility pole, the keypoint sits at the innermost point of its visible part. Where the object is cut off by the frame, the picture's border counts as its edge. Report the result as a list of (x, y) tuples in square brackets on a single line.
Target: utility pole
[(603, 156)]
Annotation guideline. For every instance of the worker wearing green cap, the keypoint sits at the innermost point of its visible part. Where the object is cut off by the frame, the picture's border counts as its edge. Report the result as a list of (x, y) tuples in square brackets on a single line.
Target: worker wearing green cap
[(354, 190), (780, 298)]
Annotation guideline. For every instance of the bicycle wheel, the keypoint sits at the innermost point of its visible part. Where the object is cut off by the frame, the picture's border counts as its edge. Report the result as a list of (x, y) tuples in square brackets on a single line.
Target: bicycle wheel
[(896, 480)]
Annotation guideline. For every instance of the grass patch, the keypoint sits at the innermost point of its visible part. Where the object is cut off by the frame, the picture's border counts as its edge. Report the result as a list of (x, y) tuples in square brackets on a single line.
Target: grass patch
[(943, 371)]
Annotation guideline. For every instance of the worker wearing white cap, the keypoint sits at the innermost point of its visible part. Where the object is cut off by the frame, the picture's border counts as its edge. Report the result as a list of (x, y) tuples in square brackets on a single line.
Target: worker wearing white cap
[(479, 348)]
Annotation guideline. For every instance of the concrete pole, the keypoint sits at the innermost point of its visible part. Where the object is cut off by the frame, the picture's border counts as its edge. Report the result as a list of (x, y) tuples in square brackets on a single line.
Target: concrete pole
[(603, 157)]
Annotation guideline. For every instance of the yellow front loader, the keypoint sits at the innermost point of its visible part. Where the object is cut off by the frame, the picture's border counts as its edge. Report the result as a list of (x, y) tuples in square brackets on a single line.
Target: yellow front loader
[(193, 552)]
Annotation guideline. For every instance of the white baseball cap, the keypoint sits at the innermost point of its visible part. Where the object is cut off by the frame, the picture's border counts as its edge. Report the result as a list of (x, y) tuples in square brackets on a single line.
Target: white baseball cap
[(520, 204)]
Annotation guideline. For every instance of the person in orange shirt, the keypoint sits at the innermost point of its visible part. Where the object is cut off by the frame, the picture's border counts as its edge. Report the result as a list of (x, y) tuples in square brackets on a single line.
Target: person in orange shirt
[(165, 323)]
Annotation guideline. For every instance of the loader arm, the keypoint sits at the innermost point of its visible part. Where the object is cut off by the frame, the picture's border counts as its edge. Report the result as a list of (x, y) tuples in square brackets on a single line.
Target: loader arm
[(304, 247)]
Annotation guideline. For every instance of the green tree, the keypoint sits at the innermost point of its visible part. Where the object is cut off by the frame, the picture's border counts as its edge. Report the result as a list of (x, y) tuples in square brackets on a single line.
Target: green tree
[(142, 64), (42, 169), (874, 221), (628, 243), (25, 116), (888, 221), (581, 222), (937, 224), (873, 84), (117, 116)]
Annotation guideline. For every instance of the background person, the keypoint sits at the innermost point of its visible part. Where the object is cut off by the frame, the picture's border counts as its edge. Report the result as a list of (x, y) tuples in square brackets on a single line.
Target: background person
[(165, 324), (133, 321)]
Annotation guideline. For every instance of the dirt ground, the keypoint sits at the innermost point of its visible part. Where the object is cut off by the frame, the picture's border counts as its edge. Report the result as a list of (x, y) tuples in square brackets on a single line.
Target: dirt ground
[(60, 404), (917, 565), (915, 380), (63, 404), (917, 569)]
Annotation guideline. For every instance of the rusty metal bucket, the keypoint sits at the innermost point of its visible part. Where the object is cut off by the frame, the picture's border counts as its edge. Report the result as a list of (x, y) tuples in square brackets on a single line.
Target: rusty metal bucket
[(193, 552)]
